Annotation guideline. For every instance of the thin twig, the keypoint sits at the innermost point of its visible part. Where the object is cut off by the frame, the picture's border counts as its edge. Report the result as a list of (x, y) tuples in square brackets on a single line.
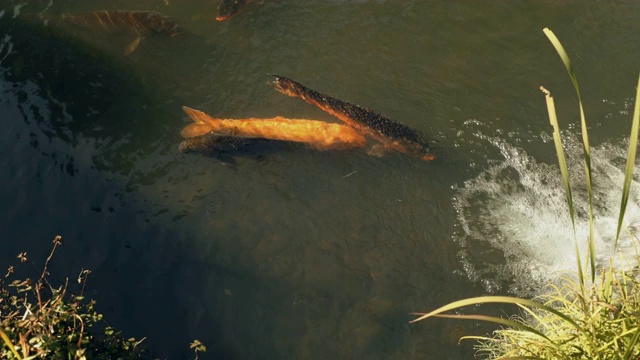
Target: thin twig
[(83, 280), (349, 174), (81, 329), (57, 241), (43, 277)]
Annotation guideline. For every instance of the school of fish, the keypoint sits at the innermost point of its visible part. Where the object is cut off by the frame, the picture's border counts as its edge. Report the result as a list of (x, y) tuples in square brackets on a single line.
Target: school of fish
[(215, 136)]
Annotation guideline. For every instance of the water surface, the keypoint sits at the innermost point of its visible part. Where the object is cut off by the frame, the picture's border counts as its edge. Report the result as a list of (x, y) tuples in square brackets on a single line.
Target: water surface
[(302, 254)]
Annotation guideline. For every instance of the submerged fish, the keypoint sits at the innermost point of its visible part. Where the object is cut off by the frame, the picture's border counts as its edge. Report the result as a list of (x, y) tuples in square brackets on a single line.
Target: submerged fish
[(212, 143), (139, 23), (229, 8), (314, 134), (392, 135), (226, 148)]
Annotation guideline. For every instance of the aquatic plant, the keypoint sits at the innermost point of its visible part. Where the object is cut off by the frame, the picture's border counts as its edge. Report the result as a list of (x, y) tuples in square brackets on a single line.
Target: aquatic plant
[(575, 319), (40, 321)]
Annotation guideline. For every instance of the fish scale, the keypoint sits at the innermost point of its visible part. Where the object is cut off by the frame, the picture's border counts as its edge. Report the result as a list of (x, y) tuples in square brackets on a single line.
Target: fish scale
[(393, 135)]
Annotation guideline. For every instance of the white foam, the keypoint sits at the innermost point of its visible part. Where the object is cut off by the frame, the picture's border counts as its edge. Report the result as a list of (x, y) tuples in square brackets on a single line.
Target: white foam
[(513, 221)]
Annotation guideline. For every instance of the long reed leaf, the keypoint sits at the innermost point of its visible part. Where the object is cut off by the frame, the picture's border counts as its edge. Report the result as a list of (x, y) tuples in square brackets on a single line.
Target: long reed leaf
[(585, 145), (495, 299), (564, 172), (631, 160)]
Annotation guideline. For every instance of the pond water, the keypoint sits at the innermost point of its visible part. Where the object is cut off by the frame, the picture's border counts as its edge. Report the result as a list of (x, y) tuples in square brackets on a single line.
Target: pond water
[(301, 254)]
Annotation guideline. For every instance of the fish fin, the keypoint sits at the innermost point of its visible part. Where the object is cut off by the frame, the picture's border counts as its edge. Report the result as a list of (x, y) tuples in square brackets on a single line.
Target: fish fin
[(132, 46), (377, 150), (232, 132), (193, 130), (227, 161), (197, 116)]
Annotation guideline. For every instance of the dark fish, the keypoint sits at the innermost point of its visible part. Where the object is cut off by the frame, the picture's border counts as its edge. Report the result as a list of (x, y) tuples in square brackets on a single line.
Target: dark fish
[(137, 22), (392, 135), (226, 148), (229, 8), (212, 143)]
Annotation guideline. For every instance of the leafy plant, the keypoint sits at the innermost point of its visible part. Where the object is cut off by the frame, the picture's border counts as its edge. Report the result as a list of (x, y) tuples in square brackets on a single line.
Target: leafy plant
[(40, 321), (573, 320)]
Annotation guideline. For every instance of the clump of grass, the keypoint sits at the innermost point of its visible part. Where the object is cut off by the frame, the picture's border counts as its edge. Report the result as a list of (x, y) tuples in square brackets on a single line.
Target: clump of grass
[(605, 324), (599, 319), (40, 321)]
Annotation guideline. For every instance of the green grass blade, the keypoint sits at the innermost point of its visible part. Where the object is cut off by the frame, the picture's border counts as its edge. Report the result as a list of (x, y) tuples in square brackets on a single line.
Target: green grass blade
[(564, 172), (562, 162), (495, 299), (475, 337), (615, 340), (632, 343), (585, 145), (9, 344), (631, 160)]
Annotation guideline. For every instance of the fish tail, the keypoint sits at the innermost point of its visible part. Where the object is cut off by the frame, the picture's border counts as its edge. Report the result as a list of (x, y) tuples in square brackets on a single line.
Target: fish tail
[(193, 130), (197, 116)]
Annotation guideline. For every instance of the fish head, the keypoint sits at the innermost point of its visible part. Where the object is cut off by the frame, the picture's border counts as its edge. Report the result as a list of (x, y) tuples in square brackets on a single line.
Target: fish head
[(175, 30), (412, 147), (421, 151), (162, 24), (229, 8), (285, 86)]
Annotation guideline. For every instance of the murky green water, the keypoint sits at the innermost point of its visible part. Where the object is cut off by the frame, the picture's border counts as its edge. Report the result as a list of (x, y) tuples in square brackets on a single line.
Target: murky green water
[(300, 255)]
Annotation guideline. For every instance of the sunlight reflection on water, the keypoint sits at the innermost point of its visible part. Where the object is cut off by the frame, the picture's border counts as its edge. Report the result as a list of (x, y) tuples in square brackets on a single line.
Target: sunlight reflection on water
[(300, 254)]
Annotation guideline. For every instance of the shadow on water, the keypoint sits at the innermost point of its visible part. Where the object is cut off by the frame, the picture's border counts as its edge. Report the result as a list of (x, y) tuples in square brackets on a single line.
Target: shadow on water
[(68, 166), (303, 255), (88, 140)]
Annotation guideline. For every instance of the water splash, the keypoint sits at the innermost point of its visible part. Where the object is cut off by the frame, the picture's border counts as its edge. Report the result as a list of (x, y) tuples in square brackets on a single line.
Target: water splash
[(513, 222)]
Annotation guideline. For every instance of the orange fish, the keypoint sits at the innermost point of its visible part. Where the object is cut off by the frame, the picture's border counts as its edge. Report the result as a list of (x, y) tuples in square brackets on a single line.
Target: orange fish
[(315, 134)]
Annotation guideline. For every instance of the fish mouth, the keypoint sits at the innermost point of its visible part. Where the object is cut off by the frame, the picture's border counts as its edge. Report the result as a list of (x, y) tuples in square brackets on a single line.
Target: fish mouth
[(283, 85), (229, 8), (177, 30)]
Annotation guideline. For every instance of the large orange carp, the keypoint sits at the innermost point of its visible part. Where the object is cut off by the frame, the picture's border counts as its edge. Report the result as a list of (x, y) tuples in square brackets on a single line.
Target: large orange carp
[(393, 135), (314, 134)]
